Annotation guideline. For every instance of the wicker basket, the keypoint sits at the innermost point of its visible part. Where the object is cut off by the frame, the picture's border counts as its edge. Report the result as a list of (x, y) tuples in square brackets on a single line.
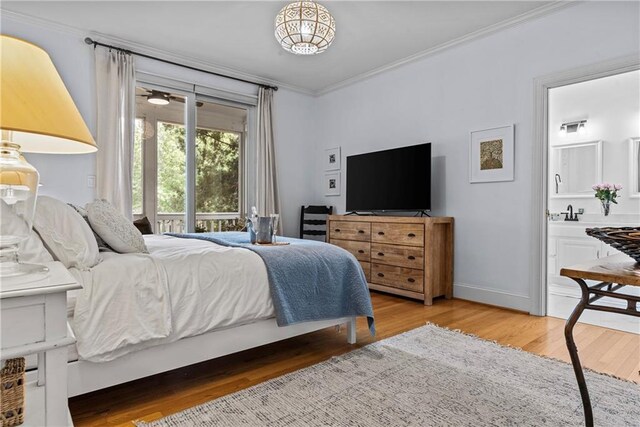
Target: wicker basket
[(12, 393), (624, 239)]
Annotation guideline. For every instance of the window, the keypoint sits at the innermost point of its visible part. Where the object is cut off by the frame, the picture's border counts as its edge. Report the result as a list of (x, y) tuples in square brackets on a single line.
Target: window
[(160, 166), (217, 171)]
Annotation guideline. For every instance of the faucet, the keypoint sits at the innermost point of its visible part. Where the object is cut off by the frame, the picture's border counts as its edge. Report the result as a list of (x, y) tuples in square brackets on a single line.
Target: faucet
[(570, 216), (558, 180)]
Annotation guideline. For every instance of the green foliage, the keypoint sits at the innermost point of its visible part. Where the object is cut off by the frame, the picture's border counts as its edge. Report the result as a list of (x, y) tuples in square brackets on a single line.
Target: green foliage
[(171, 168), (217, 169), (217, 173)]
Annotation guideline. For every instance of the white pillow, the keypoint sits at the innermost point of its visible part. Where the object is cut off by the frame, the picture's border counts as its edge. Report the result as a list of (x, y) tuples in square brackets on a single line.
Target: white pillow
[(67, 236), (116, 230), (102, 245), (30, 250)]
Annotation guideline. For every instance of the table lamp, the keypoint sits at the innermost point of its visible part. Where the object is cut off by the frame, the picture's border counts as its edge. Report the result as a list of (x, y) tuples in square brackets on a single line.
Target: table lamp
[(37, 115)]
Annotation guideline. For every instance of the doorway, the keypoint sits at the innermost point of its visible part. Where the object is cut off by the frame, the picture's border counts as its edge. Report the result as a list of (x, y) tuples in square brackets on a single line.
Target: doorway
[(188, 181), (593, 129)]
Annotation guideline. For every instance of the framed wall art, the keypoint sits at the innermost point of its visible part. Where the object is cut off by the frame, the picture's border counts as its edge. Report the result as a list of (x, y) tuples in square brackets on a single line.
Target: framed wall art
[(332, 184), (332, 159), (492, 155)]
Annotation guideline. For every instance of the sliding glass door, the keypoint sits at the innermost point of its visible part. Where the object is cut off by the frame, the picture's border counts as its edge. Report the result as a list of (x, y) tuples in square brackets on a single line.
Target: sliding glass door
[(188, 153), (218, 158)]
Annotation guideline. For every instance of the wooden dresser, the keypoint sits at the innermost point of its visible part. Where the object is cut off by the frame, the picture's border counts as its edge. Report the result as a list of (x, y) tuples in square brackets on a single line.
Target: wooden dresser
[(409, 256)]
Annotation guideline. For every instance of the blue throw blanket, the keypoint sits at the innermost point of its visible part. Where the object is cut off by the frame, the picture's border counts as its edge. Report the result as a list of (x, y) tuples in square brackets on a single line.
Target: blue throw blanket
[(309, 280)]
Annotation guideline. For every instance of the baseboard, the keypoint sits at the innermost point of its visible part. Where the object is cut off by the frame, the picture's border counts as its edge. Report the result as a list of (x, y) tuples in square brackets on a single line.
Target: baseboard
[(574, 293), (491, 296)]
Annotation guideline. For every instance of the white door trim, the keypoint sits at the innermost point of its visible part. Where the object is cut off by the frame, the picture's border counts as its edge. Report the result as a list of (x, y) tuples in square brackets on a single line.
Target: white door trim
[(538, 279)]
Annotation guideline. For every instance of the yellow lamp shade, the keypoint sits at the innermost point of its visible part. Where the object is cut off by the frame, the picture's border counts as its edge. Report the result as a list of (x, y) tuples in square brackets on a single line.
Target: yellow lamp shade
[(35, 106)]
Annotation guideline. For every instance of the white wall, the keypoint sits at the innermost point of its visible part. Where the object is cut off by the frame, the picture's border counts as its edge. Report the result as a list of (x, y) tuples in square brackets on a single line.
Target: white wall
[(65, 177), (481, 84), (611, 106), (484, 83)]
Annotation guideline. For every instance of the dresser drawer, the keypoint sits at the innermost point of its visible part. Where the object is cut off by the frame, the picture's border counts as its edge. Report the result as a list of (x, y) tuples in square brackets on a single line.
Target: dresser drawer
[(361, 250), (399, 234), (366, 267), (398, 277), (349, 230), (402, 256)]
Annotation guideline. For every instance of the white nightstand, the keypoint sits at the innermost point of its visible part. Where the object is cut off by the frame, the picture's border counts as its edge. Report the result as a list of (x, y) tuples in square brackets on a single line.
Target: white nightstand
[(34, 321)]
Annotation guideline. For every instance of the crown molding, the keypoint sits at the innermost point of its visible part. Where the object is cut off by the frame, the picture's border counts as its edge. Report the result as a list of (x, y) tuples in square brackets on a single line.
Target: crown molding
[(148, 50), (205, 65), (511, 22)]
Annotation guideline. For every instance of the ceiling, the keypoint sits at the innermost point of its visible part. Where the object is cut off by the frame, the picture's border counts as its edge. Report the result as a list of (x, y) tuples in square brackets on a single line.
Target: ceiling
[(238, 35)]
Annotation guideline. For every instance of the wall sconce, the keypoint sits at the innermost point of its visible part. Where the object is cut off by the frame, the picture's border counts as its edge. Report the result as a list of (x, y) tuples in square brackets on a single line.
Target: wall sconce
[(579, 126)]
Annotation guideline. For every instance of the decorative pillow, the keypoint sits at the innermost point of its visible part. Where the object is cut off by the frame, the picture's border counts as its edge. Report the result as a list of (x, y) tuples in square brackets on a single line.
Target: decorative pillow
[(65, 234), (114, 228), (31, 250), (102, 245), (143, 225)]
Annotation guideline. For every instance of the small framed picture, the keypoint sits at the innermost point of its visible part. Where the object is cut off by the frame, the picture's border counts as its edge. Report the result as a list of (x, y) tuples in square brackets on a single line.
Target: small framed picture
[(332, 159), (492, 155), (332, 184)]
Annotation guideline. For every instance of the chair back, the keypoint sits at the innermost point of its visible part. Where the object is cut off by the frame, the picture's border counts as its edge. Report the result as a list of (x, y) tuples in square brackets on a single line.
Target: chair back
[(313, 222)]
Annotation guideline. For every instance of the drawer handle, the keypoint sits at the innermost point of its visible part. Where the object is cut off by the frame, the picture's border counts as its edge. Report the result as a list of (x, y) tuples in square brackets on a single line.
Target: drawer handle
[(337, 230), (360, 251), (380, 275), (411, 235), (380, 233), (380, 254), (361, 231), (411, 257), (411, 280)]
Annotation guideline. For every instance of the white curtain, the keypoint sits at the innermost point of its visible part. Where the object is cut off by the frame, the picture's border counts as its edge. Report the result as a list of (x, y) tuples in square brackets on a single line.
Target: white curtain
[(116, 92), (267, 197)]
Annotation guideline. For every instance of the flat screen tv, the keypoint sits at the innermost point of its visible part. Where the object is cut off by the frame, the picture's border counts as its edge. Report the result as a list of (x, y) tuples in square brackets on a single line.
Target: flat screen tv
[(391, 180)]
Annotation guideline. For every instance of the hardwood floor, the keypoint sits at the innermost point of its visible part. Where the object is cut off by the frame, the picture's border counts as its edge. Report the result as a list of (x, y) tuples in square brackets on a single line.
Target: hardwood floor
[(601, 349)]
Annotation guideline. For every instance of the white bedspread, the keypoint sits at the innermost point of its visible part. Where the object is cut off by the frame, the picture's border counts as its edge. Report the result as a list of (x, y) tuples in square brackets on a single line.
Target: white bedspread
[(184, 287)]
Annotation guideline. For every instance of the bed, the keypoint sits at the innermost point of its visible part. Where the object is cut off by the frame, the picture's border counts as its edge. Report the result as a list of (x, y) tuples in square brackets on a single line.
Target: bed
[(184, 302)]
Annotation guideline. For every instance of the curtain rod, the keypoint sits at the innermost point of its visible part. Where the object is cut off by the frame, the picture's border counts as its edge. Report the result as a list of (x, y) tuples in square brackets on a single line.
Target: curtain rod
[(89, 40)]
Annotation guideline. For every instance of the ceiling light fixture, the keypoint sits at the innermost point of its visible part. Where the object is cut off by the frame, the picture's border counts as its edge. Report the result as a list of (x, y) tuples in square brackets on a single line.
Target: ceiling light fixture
[(579, 126), (305, 28), (158, 98)]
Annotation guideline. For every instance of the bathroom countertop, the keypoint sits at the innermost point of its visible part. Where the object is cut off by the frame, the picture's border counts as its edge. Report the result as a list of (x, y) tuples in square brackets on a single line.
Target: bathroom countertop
[(595, 220)]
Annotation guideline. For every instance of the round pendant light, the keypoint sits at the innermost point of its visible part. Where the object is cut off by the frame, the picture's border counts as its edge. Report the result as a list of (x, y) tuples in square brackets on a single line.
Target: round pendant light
[(158, 98), (305, 28)]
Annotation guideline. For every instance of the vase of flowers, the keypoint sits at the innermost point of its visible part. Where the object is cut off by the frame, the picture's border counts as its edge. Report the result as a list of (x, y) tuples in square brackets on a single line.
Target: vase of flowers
[(606, 193)]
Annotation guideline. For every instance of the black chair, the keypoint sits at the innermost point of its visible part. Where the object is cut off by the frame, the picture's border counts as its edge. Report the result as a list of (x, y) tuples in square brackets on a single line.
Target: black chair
[(313, 221)]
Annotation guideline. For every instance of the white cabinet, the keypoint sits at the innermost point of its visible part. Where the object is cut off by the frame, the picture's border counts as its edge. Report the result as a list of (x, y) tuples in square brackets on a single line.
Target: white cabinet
[(570, 245), (34, 321)]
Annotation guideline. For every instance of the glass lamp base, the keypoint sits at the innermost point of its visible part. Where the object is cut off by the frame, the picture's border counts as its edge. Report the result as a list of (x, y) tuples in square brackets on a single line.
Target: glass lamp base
[(9, 269)]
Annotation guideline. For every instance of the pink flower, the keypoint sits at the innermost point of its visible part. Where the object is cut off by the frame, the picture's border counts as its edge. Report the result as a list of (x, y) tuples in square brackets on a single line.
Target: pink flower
[(595, 187), (618, 186)]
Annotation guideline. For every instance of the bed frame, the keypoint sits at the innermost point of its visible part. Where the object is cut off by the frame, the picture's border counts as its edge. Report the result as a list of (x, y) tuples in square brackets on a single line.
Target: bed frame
[(85, 377)]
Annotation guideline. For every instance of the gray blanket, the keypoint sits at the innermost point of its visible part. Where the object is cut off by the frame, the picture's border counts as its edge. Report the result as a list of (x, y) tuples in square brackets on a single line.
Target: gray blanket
[(309, 280)]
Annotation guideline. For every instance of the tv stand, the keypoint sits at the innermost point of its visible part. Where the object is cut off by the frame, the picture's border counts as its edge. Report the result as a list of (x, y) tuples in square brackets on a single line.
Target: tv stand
[(409, 256)]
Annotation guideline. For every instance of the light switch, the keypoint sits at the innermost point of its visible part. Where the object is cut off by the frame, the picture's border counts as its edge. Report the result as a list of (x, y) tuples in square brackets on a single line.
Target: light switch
[(91, 181)]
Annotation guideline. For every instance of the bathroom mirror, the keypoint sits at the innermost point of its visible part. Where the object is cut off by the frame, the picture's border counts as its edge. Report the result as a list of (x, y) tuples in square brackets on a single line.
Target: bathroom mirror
[(634, 167), (575, 168)]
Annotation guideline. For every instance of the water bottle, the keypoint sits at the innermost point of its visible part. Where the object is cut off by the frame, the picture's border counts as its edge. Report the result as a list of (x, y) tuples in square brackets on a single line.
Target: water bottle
[(251, 224)]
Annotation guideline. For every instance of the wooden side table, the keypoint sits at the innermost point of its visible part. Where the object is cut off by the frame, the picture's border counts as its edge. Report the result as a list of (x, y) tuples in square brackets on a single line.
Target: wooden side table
[(613, 273), (34, 321)]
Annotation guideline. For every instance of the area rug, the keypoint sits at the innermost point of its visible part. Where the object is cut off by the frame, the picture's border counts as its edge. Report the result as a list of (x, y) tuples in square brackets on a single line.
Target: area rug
[(429, 376)]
